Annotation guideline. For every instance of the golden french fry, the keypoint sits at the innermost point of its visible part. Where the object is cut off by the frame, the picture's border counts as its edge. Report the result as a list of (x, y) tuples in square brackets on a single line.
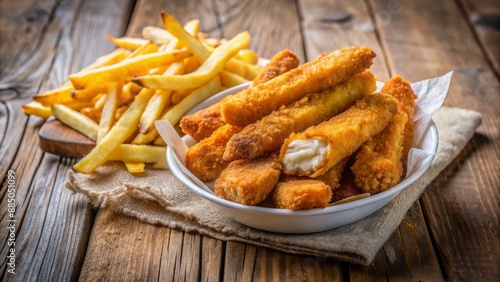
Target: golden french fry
[(191, 27), (208, 69), (243, 69), (92, 113), (229, 79), (131, 43), (139, 154), (109, 110), (248, 56), (78, 105), (89, 93), (122, 130), (178, 95), (176, 112), (159, 141), (76, 120), (145, 138), (99, 101), (191, 64), (63, 93), (157, 34), (125, 69), (147, 48), (159, 100), (37, 109), (135, 168)]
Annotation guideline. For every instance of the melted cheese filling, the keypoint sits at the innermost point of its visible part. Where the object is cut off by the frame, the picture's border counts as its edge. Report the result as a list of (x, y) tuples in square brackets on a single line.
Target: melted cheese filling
[(305, 155)]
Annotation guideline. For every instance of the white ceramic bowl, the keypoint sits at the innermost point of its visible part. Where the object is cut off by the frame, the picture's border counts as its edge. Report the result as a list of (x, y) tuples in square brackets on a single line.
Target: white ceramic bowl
[(306, 221)]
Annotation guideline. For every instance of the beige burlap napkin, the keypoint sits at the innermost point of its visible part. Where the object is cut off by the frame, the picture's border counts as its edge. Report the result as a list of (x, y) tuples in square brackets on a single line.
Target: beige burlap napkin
[(157, 197)]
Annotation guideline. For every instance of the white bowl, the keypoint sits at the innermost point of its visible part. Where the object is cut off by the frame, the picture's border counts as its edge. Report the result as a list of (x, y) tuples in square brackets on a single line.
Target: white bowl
[(306, 221)]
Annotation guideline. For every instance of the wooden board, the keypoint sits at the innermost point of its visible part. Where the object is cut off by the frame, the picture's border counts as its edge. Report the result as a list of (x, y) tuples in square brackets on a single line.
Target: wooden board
[(58, 139)]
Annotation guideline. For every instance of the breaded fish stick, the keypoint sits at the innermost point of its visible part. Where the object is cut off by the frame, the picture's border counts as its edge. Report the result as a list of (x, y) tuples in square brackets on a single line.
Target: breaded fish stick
[(204, 159), (267, 135), (325, 72), (315, 150), (280, 63), (203, 123), (248, 182), (401, 90), (378, 165), (301, 194)]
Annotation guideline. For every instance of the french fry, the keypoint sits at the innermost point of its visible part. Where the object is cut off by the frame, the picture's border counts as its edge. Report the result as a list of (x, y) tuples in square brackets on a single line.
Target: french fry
[(147, 48), (92, 113), (109, 110), (125, 69), (178, 95), (76, 120), (248, 56), (138, 154), (62, 94), (89, 93), (195, 97), (157, 34), (229, 79), (159, 100), (99, 101), (37, 109), (122, 130), (135, 168), (126, 42), (243, 69), (208, 69)]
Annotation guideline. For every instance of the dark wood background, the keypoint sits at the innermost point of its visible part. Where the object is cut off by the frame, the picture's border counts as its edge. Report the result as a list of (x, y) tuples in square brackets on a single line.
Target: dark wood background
[(451, 233)]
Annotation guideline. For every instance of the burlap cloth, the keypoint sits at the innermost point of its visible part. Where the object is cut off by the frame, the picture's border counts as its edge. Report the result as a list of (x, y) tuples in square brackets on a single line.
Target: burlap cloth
[(157, 197)]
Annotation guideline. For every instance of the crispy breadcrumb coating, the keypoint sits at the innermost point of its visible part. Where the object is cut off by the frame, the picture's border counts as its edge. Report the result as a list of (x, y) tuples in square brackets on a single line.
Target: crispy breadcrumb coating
[(280, 63), (399, 88), (268, 134), (301, 194), (343, 134), (378, 165), (248, 182), (204, 159), (325, 72)]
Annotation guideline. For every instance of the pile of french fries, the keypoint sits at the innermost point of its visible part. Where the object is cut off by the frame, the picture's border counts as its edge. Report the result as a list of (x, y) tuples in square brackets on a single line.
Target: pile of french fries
[(116, 100)]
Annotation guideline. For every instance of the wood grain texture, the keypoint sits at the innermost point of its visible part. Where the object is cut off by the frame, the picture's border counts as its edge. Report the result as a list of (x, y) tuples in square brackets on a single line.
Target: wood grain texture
[(58, 139), (53, 224), (425, 42), (484, 17)]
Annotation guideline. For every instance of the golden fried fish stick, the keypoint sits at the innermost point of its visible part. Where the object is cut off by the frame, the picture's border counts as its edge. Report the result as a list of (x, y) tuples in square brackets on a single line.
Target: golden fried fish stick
[(325, 72), (248, 182), (401, 90), (280, 63), (267, 135), (203, 123), (315, 150), (378, 165), (301, 194), (205, 158)]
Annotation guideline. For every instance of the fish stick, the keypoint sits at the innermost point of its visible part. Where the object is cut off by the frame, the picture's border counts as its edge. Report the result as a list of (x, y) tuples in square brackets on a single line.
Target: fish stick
[(327, 71), (247, 182), (203, 123), (301, 194), (280, 63), (378, 165), (315, 150), (204, 159), (401, 90), (268, 134)]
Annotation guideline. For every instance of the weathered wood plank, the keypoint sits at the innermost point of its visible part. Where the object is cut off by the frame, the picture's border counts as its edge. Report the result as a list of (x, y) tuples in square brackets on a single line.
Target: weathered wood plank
[(53, 224), (485, 19), (425, 42)]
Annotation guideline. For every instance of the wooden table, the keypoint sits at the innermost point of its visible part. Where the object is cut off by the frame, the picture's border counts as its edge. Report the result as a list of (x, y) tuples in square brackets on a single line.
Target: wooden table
[(451, 233)]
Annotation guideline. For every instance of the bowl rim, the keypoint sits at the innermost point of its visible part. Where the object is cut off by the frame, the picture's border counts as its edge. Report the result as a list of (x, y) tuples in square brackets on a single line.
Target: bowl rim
[(175, 166)]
